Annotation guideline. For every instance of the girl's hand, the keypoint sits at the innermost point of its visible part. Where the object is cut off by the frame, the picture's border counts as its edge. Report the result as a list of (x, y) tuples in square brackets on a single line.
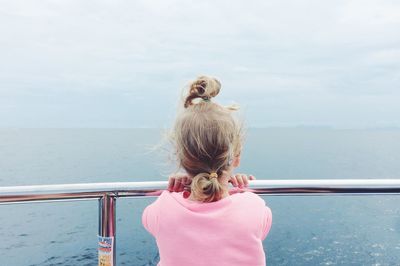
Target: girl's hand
[(240, 180), (177, 182)]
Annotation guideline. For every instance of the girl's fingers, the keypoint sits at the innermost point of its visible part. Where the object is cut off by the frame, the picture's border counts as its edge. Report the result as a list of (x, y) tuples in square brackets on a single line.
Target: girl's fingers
[(181, 187), (186, 181), (245, 181), (171, 182), (239, 180), (177, 184), (233, 181)]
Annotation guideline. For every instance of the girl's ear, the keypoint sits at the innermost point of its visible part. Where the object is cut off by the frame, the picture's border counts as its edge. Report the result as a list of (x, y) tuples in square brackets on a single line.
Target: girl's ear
[(236, 161)]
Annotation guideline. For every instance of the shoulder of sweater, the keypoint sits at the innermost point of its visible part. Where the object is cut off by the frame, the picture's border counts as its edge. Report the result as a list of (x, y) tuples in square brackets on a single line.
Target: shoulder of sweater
[(164, 194), (254, 198)]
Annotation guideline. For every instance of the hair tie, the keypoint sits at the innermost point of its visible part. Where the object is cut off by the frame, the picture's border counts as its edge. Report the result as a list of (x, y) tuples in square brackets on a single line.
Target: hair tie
[(213, 175)]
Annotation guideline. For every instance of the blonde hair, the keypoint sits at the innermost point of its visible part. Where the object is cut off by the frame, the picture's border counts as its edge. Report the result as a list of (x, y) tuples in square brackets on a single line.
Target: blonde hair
[(206, 137)]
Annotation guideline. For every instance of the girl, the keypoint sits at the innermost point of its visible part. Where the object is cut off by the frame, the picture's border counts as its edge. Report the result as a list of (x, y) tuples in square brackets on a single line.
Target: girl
[(199, 220)]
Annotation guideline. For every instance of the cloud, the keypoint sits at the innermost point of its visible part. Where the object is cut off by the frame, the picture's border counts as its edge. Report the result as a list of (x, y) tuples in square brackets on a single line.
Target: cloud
[(298, 53)]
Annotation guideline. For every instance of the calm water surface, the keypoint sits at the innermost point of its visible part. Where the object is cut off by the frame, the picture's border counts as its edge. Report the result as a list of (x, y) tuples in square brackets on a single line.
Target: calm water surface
[(317, 230)]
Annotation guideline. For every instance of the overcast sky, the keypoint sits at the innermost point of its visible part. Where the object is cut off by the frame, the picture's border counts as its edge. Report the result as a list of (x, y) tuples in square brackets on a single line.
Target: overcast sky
[(123, 63)]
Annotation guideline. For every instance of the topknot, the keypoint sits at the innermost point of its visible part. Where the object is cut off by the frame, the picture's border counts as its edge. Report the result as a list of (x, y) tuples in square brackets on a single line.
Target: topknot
[(203, 87)]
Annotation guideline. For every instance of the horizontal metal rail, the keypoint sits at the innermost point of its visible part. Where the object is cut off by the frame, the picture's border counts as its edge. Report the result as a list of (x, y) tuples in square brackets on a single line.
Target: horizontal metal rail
[(107, 193), (17, 194)]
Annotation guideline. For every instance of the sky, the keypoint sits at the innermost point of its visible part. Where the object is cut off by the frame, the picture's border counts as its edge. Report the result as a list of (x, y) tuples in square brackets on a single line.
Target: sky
[(124, 64)]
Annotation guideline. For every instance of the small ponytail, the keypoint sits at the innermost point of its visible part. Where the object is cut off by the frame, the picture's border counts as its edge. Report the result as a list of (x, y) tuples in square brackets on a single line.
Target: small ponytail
[(206, 188)]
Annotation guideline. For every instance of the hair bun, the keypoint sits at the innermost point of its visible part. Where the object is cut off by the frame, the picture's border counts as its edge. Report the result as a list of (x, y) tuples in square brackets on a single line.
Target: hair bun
[(203, 87)]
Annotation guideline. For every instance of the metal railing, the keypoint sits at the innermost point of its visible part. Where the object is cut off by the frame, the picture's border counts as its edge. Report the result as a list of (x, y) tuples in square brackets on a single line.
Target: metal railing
[(107, 193)]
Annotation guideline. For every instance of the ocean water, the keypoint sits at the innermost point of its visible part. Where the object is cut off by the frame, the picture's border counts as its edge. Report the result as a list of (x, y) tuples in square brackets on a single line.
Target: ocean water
[(314, 230)]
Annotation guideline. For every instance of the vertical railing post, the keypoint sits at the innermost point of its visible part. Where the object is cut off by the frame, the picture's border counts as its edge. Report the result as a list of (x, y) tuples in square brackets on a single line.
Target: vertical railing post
[(106, 238)]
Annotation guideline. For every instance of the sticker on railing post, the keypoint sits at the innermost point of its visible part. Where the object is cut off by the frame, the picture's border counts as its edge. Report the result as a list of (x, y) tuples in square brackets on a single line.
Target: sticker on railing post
[(105, 248)]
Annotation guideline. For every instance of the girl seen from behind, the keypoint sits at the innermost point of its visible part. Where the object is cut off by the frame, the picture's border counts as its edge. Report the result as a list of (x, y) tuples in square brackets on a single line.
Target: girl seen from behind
[(199, 220)]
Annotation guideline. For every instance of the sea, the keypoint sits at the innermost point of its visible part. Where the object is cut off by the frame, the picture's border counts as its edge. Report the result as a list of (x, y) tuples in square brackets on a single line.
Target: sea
[(306, 230)]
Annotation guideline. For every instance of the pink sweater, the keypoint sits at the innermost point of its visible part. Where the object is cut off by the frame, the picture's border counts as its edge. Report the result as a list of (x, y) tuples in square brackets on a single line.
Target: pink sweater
[(226, 232)]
